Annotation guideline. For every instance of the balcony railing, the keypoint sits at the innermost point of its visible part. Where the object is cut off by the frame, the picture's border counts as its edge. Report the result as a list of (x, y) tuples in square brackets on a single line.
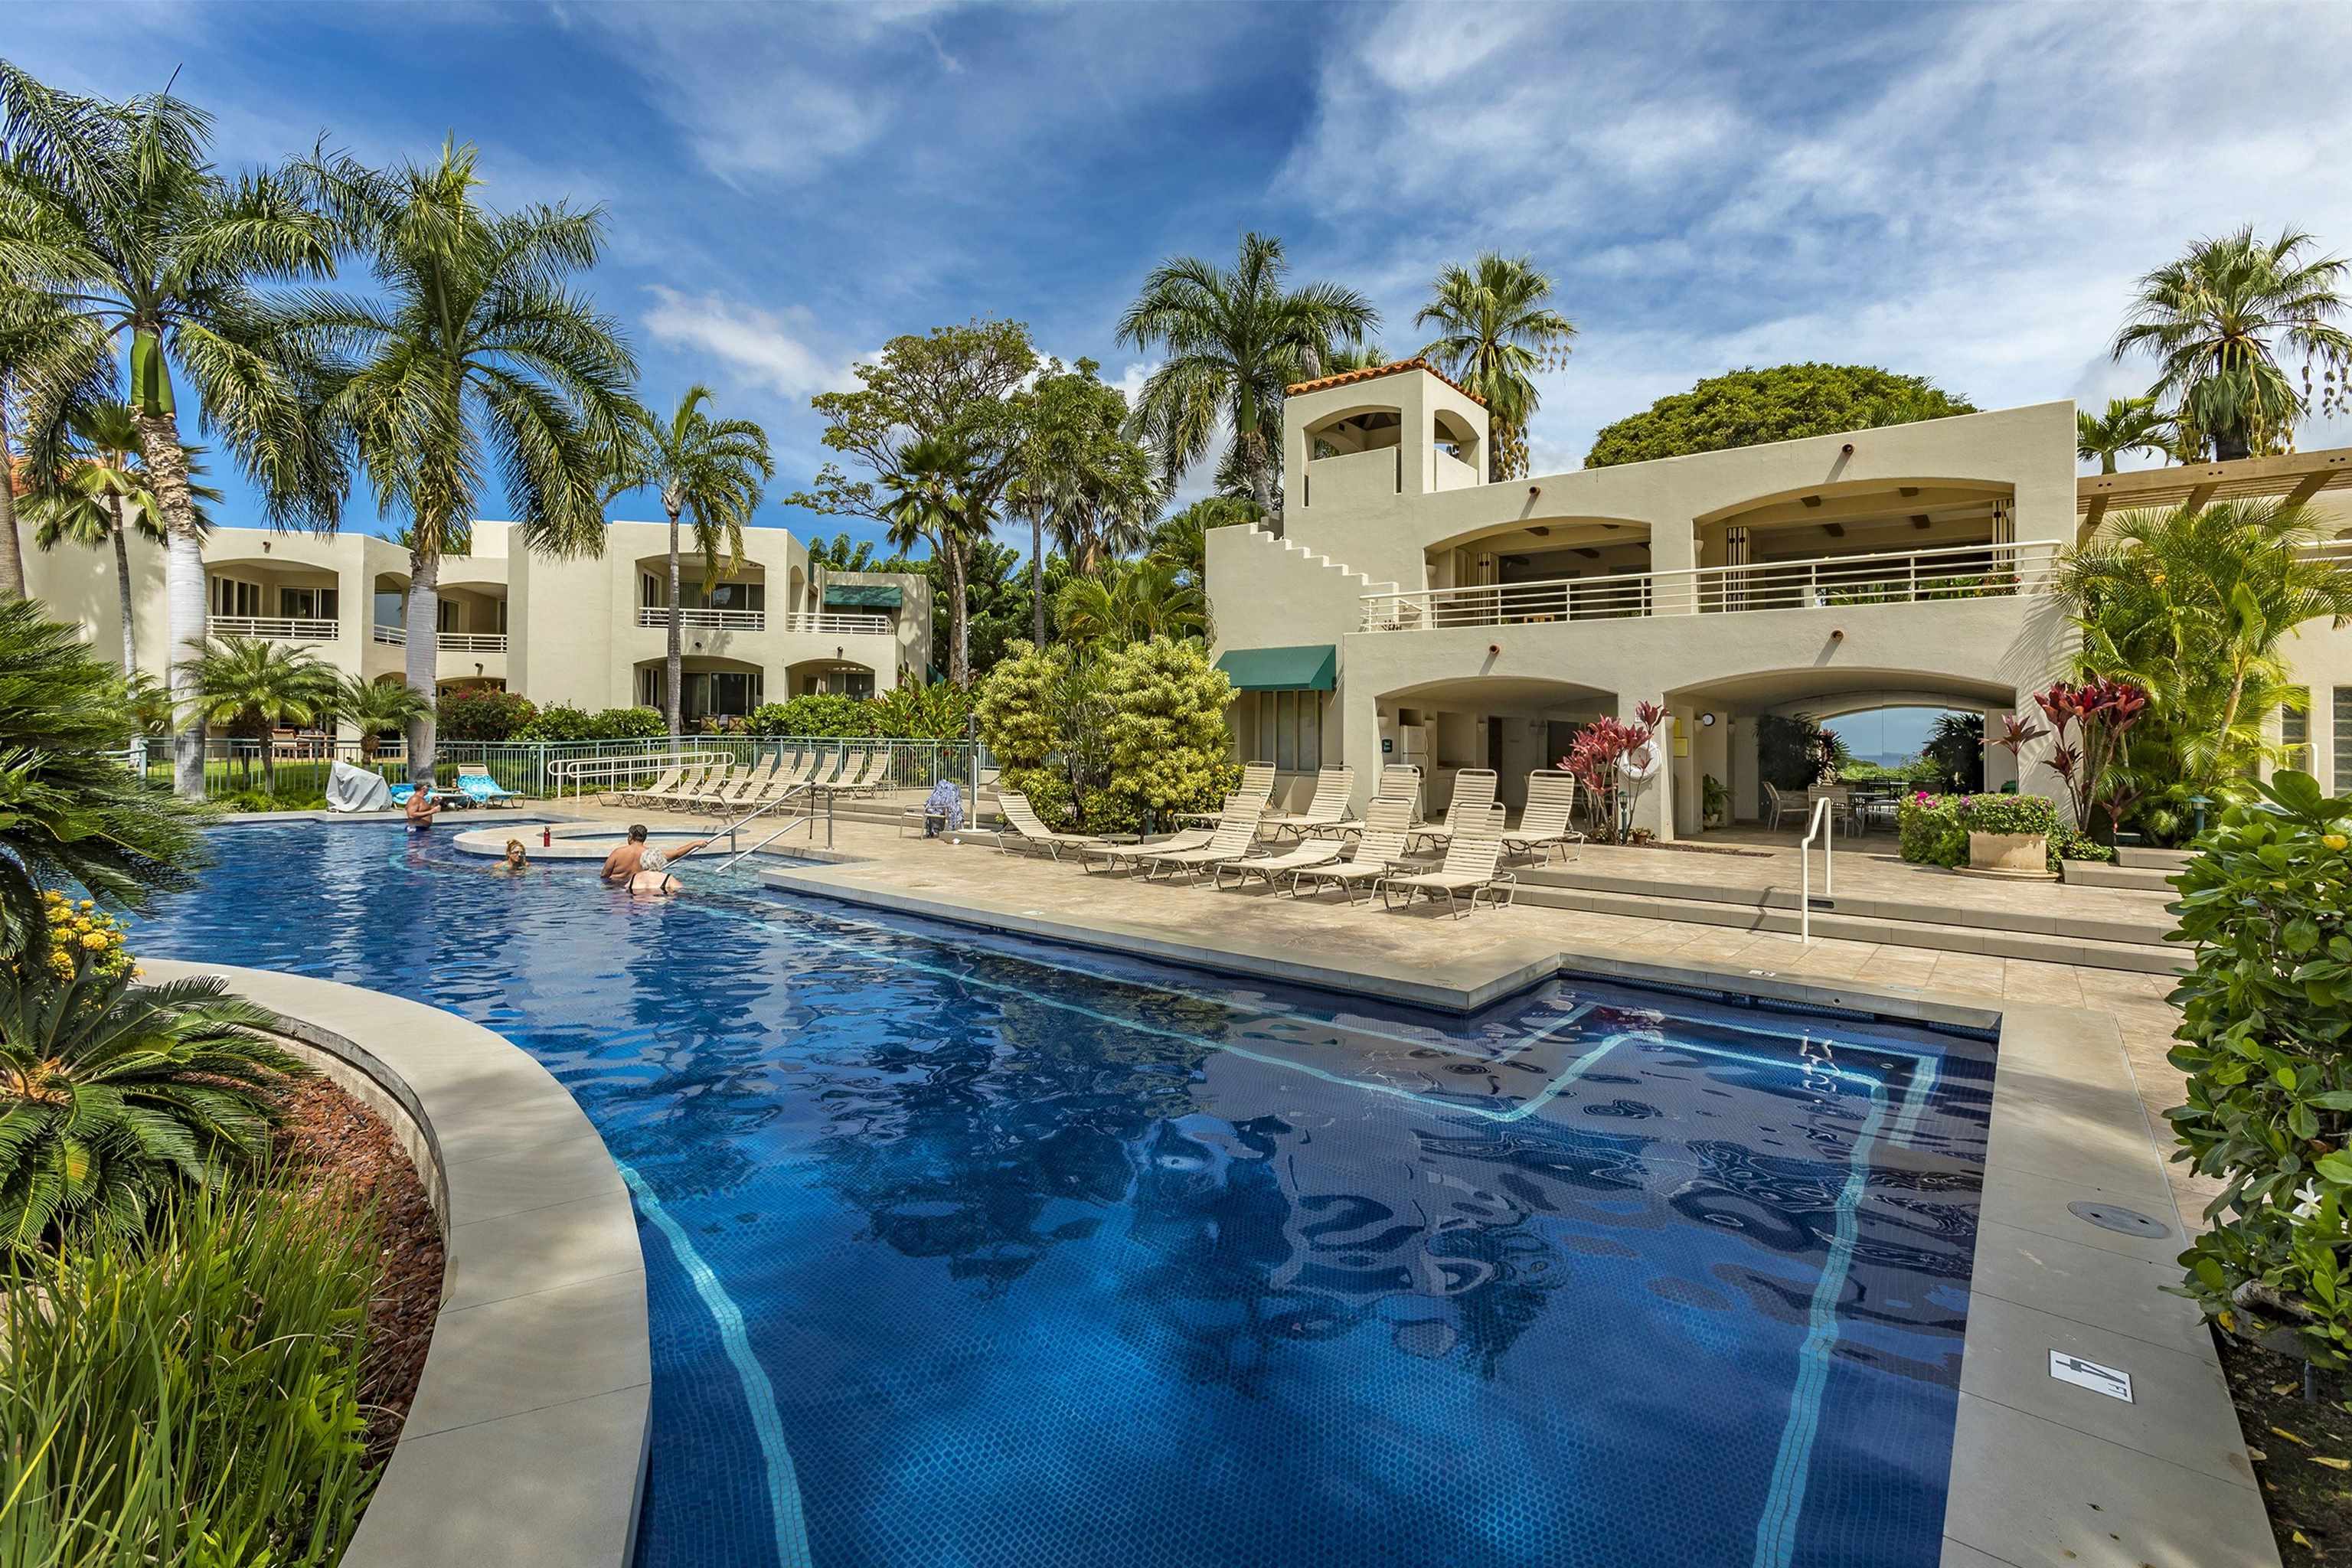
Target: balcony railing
[(447, 642), (656, 617), (274, 628), (1959, 571)]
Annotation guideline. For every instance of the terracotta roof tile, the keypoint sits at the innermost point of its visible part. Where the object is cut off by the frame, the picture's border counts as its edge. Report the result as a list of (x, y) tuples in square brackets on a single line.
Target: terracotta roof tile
[(1347, 377)]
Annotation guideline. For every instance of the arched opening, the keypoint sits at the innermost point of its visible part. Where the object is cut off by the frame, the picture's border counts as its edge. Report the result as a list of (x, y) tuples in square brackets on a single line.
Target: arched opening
[(1458, 460), (1513, 724), (833, 676), (272, 598), (796, 600), (1369, 428), (1859, 542), (709, 687), (1558, 568)]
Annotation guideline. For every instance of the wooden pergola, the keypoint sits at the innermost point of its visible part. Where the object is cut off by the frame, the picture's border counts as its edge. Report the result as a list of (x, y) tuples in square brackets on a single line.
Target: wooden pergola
[(2296, 476)]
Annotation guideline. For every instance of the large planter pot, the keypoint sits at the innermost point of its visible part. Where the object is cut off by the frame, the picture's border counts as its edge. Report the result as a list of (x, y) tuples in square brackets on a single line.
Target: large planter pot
[(2010, 853)]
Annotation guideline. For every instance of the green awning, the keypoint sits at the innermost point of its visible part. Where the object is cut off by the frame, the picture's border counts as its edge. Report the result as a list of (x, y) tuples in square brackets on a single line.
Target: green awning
[(862, 597), (1311, 667)]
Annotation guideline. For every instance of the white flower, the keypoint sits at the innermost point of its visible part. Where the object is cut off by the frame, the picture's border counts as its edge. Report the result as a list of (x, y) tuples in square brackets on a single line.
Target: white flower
[(2309, 1203)]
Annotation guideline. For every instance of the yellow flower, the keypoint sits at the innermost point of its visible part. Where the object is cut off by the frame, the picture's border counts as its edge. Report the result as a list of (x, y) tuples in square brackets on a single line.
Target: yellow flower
[(2335, 841), (94, 940), (90, 904)]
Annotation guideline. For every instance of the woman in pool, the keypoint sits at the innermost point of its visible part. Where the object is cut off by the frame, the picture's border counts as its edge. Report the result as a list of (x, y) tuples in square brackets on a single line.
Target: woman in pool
[(652, 878), (516, 863)]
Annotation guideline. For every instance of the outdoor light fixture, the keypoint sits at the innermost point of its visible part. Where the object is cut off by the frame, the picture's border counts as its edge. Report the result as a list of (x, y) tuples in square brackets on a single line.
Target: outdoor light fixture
[(1706, 721), (1535, 490), (1838, 635), (1493, 650), (1847, 449)]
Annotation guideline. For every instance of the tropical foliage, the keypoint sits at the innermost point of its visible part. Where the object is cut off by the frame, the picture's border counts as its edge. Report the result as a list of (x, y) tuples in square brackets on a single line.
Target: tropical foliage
[(937, 712), (1748, 407), (1080, 480), (1234, 341), (374, 708), (253, 685), (1955, 751), (484, 713), (560, 721), (2223, 321), (1130, 601), (2266, 1016), (2130, 424), (1494, 333)]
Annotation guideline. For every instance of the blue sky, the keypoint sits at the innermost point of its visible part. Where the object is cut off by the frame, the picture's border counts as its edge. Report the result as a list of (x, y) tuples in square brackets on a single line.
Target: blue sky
[(1965, 192)]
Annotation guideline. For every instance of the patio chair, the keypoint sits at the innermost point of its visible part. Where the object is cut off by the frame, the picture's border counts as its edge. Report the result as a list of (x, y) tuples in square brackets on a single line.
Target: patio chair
[(1023, 827), (867, 778), (614, 792), (677, 794), (1473, 795), (716, 789), (1305, 856), (1257, 779), (484, 790), (1327, 811), (1544, 825), (1842, 812), (1236, 835), (1134, 857), (1378, 851), (1778, 807), (1470, 867)]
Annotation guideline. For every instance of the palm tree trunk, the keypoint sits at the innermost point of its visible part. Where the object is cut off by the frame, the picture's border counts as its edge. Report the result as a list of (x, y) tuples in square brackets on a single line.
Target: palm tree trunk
[(959, 618), (12, 549), (1037, 574), (184, 589), (122, 589), (424, 661), (675, 661)]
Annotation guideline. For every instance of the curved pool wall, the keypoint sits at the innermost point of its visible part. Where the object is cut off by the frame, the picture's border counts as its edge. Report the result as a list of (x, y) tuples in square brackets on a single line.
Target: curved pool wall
[(545, 840), (965, 1249)]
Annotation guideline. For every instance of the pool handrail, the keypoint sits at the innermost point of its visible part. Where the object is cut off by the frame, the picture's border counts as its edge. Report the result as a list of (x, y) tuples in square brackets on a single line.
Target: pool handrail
[(579, 772)]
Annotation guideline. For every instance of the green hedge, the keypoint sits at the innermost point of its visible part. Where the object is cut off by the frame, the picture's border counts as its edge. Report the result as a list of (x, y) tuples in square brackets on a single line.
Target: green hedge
[(478, 714), (566, 723), (2266, 1016), (1933, 829)]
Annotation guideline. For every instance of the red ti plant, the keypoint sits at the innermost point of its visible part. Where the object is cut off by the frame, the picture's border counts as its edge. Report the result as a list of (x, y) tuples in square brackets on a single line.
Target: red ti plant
[(2091, 721), (1597, 752)]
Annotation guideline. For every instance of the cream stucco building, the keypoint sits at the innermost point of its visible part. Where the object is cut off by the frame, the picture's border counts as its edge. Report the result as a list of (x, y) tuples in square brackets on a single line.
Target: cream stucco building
[(587, 632), (1410, 611)]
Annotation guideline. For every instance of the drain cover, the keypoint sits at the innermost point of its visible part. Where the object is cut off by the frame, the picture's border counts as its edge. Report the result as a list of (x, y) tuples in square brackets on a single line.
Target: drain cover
[(2130, 1222)]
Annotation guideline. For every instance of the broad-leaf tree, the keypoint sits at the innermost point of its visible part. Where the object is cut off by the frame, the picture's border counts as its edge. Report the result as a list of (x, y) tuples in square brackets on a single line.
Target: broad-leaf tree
[(706, 472), (1234, 340), (1781, 403), (1496, 330), (2219, 320), (115, 213), (476, 362), (264, 684), (2130, 424)]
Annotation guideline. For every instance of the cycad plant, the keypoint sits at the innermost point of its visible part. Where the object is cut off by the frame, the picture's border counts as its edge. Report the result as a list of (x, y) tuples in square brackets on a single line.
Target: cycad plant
[(1496, 332), (113, 1093), (374, 708), (252, 682), (1129, 602)]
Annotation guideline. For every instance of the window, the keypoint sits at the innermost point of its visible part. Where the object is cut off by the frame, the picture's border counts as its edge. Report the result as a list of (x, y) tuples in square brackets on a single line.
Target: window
[(1289, 731), (649, 687), (446, 613), (231, 597), (2343, 780), (2294, 732), (649, 591), (502, 618)]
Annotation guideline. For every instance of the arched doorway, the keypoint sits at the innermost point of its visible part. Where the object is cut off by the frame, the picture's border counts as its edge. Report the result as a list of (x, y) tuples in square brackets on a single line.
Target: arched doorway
[(1513, 724), (835, 677)]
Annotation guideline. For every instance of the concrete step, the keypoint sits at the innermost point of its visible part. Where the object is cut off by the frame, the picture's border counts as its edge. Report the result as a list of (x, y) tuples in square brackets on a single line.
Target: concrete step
[(2135, 858), (2095, 874)]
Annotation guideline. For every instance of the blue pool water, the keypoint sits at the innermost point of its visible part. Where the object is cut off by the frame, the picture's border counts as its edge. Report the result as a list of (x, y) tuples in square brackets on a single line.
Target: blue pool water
[(966, 1251)]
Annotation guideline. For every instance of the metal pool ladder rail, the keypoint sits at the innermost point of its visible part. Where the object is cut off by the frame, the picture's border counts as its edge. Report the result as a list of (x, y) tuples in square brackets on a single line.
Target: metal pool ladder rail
[(1821, 826)]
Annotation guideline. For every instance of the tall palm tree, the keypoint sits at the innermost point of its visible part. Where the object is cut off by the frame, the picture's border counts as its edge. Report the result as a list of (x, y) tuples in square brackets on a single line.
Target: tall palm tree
[(36, 332), (237, 680), (1494, 332), (2130, 424), (1234, 341), (1078, 477), (709, 470), (474, 356), (929, 504), (113, 211), (2216, 320)]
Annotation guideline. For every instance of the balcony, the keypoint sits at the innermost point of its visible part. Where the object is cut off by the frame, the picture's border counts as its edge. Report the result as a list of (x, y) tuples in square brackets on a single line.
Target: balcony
[(1914, 576), (447, 642), (656, 617), (274, 628)]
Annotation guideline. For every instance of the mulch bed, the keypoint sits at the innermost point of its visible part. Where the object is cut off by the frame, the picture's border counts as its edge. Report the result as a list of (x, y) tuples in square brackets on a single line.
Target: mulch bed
[(330, 1142), (2302, 1451)]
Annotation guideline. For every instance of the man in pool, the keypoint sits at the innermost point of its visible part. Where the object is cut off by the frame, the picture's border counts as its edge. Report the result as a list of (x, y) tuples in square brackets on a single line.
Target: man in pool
[(420, 807), (626, 861)]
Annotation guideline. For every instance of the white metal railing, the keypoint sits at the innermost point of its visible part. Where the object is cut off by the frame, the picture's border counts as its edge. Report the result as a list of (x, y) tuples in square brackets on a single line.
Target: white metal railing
[(582, 772), (1908, 577), (656, 616), (275, 628), (851, 626), (1821, 826), (391, 636), (447, 642)]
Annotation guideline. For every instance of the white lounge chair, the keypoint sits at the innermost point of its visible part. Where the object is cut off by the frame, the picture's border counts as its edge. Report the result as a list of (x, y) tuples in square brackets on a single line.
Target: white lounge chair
[(1113, 857), (1257, 779), (1329, 811), (1544, 825), (1236, 836), (866, 778), (1378, 851), (1471, 862), (1025, 829), (633, 795), (678, 793), (1474, 797), (1305, 856)]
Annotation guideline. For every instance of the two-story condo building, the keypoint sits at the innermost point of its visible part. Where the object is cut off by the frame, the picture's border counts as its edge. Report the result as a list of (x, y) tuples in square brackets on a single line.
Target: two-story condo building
[(587, 632), (1410, 611)]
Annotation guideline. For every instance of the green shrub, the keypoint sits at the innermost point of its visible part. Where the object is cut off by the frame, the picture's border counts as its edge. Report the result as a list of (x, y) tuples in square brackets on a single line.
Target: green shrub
[(192, 1396), (1130, 735), (562, 723), (2007, 812), (1933, 829), (2073, 844), (262, 800), (818, 713), (1928, 830), (938, 711), (2265, 1016), (475, 714)]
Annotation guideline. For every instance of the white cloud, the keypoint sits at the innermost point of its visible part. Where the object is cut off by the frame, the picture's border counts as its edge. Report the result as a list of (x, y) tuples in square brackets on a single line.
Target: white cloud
[(761, 348)]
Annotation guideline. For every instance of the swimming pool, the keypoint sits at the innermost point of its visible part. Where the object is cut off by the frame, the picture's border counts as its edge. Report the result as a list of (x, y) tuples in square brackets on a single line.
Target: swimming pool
[(963, 1250)]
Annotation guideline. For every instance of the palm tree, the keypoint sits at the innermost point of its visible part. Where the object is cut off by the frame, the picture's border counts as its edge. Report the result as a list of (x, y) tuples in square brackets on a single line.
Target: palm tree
[(374, 708), (2195, 605), (2216, 321), (35, 330), (2130, 424), (113, 211), (1078, 477), (112, 1093), (1234, 341), (709, 469), (929, 504), (234, 680), (1494, 332), (474, 356), (1129, 602)]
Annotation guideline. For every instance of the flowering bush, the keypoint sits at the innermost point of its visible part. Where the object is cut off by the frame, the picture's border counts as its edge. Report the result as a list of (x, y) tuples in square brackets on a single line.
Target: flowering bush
[(484, 714), (2264, 1019), (83, 940), (1600, 755)]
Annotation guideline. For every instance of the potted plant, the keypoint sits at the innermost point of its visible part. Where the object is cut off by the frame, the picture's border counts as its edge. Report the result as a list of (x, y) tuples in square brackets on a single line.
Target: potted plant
[(2009, 835), (1714, 801)]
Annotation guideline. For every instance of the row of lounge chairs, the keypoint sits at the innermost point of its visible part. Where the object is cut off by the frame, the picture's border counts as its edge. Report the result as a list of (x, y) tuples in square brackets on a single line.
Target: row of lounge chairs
[(1473, 839), (718, 786)]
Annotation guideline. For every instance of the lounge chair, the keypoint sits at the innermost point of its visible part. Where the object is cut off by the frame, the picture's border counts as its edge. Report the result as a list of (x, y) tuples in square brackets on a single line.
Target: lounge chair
[(484, 790), (1473, 795), (719, 790), (1301, 856), (1257, 779), (1471, 858), (1544, 825), (868, 780), (677, 794), (1023, 827), (1236, 836), (618, 793), (1378, 851), (1329, 811), (401, 793), (1135, 856)]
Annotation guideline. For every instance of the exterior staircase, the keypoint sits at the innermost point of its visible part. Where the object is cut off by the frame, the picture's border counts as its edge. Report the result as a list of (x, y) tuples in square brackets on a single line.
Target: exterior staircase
[(1358, 583)]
